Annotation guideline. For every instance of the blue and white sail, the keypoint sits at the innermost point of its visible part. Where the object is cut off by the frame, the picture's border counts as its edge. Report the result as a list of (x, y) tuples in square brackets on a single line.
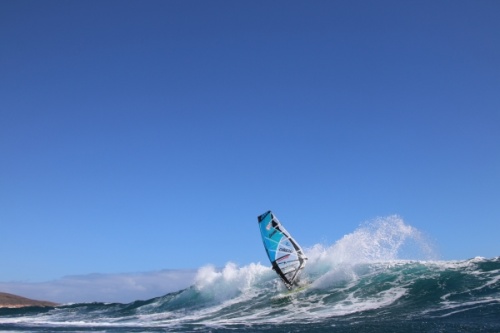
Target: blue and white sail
[(286, 256)]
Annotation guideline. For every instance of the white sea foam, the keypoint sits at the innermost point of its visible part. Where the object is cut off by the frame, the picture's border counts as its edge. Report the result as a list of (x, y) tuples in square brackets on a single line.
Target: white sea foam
[(231, 280)]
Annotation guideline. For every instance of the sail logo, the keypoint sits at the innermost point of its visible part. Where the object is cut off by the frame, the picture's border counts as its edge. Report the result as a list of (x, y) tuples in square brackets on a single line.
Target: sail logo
[(282, 249), (268, 226), (283, 258)]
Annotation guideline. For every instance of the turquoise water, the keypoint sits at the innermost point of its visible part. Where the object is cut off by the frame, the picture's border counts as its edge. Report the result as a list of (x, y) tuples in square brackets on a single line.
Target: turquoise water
[(396, 296)]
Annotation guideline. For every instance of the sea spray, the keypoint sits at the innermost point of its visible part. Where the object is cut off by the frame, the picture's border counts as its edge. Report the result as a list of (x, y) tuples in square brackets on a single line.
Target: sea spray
[(230, 281), (383, 239)]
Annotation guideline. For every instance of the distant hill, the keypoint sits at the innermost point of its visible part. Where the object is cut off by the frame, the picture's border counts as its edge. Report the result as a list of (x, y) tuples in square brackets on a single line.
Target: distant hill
[(14, 301)]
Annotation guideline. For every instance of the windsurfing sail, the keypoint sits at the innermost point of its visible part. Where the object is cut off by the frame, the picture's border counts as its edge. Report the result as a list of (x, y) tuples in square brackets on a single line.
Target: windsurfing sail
[(285, 254)]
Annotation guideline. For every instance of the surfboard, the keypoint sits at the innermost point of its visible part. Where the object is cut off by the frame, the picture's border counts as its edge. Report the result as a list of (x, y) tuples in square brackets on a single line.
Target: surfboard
[(285, 254)]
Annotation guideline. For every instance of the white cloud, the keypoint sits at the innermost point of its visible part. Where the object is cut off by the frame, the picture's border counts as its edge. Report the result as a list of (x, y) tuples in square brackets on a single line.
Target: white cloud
[(123, 288)]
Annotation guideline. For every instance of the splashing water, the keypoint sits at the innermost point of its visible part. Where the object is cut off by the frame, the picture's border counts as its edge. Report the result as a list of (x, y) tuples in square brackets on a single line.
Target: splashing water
[(229, 282), (382, 239)]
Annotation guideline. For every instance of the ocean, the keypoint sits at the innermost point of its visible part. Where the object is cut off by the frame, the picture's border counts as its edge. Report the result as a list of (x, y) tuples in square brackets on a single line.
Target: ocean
[(359, 284)]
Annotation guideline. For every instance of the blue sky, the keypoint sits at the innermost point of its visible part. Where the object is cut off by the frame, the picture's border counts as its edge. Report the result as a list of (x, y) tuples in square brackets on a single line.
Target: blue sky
[(140, 136)]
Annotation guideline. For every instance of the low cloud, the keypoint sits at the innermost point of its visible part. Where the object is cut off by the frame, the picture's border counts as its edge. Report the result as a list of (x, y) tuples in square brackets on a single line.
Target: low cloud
[(122, 288)]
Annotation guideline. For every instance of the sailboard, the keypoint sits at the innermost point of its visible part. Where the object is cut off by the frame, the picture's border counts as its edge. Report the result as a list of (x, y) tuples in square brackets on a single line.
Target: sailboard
[(285, 254)]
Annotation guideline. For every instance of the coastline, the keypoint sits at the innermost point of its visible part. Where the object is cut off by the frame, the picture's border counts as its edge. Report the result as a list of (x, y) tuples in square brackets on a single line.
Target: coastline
[(14, 301)]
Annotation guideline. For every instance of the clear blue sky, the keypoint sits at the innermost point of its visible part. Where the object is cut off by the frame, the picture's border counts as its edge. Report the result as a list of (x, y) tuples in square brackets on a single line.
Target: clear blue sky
[(145, 135)]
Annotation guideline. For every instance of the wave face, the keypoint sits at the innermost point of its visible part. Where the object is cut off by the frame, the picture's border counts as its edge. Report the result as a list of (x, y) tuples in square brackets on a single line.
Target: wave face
[(360, 283)]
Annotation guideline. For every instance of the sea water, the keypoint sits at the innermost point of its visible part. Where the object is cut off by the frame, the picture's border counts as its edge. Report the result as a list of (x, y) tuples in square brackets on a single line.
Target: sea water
[(359, 284)]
